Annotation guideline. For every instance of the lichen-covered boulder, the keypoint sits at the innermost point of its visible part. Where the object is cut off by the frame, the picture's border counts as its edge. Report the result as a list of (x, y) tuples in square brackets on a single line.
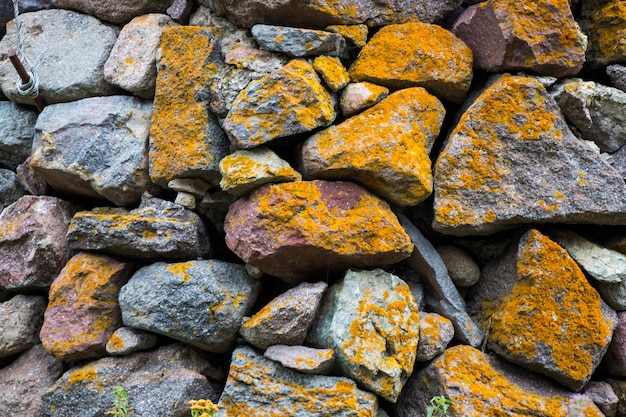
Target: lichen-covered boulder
[(543, 313), (253, 379), (332, 71), (604, 22), (299, 230), (488, 176), (482, 385), (416, 55), (83, 311), (435, 333), (297, 42), (385, 148), (287, 101), (541, 37), (371, 321), (185, 138)]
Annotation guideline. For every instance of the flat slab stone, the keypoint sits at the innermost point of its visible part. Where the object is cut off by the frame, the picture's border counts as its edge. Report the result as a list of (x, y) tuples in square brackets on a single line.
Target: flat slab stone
[(302, 359), (384, 148), (120, 12), (488, 177), (416, 55), (299, 230), (22, 317), (296, 42)]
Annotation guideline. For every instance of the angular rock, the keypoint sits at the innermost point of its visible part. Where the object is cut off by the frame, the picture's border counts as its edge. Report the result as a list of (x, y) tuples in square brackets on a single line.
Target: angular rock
[(119, 12), (304, 229), (10, 188), (540, 309), (614, 361), (244, 170), (185, 138), (509, 35), (225, 88), (83, 311), (254, 59), (416, 55), (482, 385), (318, 13), (602, 394), (604, 22), (30, 180), (252, 380), (298, 43), (16, 133), (95, 147), (126, 340), (619, 388), (617, 75), (595, 110), (157, 229), (384, 148), (32, 242), (70, 40), (286, 319), (200, 303), (158, 383), (24, 381), (22, 317), (285, 102), (132, 62), (435, 334), (358, 96), (370, 320), (356, 34), (302, 359), (332, 71), (180, 10), (462, 269), (488, 176)]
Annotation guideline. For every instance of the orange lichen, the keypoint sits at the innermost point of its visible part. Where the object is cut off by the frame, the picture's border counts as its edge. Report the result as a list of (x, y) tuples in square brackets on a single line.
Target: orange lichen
[(607, 31), (83, 374), (357, 34), (332, 71), (115, 343)]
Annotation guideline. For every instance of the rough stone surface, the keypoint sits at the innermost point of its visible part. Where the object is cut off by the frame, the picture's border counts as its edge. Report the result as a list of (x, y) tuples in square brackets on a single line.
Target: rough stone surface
[(83, 311), (30, 180), (540, 309), (287, 101), (604, 22), (32, 241), (252, 379), (541, 37), (416, 55), (488, 176), (482, 385), (286, 319), (185, 138), (305, 229), (244, 170), (332, 71), (119, 12), (385, 148), (619, 388), (371, 321), (132, 62), (126, 340), (617, 75), (64, 35), (200, 303), (157, 229), (614, 361), (302, 359), (296, 42), (158, 383), (318, 13), (602, 394), (461, 267), (358, 96), (22, 317), (95, 147), (24, 381), (355, 34), (16, 133), (225, 89), (435, 333), (10, 188)]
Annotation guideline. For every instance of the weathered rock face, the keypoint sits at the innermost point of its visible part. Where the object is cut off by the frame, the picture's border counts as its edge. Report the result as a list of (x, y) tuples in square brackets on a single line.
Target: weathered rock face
[(200, 303), (119, 12), (488, 177), (126, 340), (541, 309), (16, 133), (604, 23), (10, 188), (416, 55), (298, 43), (302, 359), (302, 229), (435, 334), (57, 32), (615, 358), (510, 35), (384, 148), (32, 243), (253, 379), (22, 318), (83, 311), (370, 320), (95, 147)]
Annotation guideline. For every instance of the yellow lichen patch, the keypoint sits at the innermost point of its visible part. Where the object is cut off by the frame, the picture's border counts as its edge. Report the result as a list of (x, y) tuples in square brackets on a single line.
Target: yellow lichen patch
[(607, 31), (357, 34), (81, 375), (115, 343), (179, 135), (551, 308), (416, 54), (332, 71), (181, 269)]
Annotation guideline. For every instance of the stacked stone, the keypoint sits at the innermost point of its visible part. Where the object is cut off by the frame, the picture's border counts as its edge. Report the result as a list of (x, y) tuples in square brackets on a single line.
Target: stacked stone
[(315, 208)]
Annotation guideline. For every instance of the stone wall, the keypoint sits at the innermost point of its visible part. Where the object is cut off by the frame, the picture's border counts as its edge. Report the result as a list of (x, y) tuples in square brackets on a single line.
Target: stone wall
[(314, 208)]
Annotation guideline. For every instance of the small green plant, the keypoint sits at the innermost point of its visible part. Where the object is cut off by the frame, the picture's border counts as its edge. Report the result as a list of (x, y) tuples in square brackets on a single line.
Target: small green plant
[(120, 402), (438, 406), (202, 408)]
